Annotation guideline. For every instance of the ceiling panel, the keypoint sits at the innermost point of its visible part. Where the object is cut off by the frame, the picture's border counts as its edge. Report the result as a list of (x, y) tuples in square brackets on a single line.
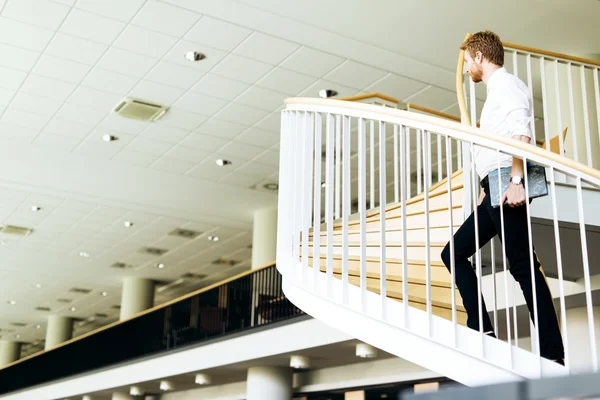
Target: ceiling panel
[(44, 14), (109, 81), (264, 99), (217, 86), (204, 142), (75, 48), (47, 87), (312, 62), (156, 93), (396, 86), (19, 34), (177, 55), (187, 154), (222, 129), (286, 81), (36, 104), (93, 27), (217, 33), (258, 137), (241, 68), (165, 18), (164, 133), (356, 75), (144, 41), (116, 9), (173, 165), (11, 78), (17, 58), (174, 75), (61, 69), (200, 103), (266, 48), (240, 113), (93, 98), (126, 62), (182, 119)]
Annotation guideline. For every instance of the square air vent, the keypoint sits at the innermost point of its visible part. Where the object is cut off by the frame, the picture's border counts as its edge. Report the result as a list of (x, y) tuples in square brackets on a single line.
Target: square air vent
[(224, 261), (185, 233), (140, 110), (15, 230), (65, 301), (121, 265), (191, 275), (153, 251), (80, 290), (101, 315), (19, 324), (45, 309)]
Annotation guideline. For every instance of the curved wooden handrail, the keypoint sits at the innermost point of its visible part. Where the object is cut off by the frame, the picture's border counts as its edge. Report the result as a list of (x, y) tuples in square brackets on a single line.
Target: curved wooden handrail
[(371, 95), (567, 163), (158, 307), (432, 112), (528, 49), (460, 92)]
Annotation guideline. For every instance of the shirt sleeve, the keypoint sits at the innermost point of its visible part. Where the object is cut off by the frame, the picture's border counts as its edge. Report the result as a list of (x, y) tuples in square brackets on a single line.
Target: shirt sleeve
[(517, 108)]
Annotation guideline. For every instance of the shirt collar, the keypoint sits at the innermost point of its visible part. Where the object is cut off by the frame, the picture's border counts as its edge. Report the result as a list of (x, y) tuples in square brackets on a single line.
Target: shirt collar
[(493, 78)]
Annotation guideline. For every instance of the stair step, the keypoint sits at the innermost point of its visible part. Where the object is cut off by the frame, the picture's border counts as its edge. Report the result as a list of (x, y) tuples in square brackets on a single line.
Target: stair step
[(441, 234), (414, 251)]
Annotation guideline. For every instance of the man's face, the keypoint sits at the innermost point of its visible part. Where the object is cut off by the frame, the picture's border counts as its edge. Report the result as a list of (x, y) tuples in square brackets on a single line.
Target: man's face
[(474, 68)]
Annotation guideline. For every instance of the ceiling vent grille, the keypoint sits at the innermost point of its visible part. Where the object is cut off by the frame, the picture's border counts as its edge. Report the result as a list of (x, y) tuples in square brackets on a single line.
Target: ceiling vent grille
[(185, 233), (121, 265), (19, 324), (15, 230), (153, 251), (224, 261), (140, 110), (66, 301), (267, 185), (101, 315), (191, 275), (80, 290), (40, 308), (116, 307)]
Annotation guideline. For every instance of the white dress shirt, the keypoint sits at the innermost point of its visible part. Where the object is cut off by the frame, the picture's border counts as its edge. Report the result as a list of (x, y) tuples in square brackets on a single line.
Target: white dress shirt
[(506, 112)]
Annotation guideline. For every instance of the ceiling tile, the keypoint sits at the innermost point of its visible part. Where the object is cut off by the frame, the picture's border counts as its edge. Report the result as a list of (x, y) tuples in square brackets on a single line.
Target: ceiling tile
[(182, 119), (177, 55), (165, 18), (97, 149), (96, 137), (24, 119), (41, 13), (19, 34), (174, 75), (240, 113), (313, 90), (240, 151), (286, 81), (109, 81), (187, 154), (61, 69), (219, 128), (204, 142), (264, 99), (258, 137), (92, 26), (200, 103), (222, 88), (156, 93), (217, 33), (173, 165), (11, 131), (6, 96), (396, 86), (208, 170), (80, 113), (136, 158), (256, 169), (95, 99), (68, 128), (143, 41), (266, 48), (126, 62), (125, 125), (116, 9), (149, 146), (434, 98), (36, 104), (56, 142), (271, 122), (355, 75), (239, 179), (270, 157), (164, 133), (312, 62), (241, 68), (17, 58), (75, 48), (11, 78), (47, 87)]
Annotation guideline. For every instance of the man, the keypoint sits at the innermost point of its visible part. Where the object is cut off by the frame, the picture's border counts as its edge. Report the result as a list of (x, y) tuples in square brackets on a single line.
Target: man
[(507, 112)]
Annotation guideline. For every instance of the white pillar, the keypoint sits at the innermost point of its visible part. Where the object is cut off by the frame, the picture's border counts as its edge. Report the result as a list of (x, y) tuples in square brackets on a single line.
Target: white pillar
[(9, 352), (269, 383), (60, 329), (264, 237), (137, 296), (580, 359)]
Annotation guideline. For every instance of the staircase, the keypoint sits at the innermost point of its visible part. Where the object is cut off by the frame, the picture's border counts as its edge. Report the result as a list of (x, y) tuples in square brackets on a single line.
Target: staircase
[(414, 312)]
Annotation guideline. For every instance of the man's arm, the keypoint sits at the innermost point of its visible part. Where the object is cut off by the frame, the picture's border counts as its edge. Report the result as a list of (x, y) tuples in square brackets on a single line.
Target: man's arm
[(518, 121)]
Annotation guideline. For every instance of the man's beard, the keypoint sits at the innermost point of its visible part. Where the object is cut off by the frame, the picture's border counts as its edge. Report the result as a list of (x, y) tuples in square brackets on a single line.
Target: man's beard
[(476, 73)]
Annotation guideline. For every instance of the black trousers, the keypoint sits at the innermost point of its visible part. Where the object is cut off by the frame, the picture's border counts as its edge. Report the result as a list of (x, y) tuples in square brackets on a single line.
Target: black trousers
[(516, 241)]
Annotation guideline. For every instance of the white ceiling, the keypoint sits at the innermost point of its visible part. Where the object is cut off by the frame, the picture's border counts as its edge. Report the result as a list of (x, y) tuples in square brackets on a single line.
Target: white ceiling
[(65, 64)]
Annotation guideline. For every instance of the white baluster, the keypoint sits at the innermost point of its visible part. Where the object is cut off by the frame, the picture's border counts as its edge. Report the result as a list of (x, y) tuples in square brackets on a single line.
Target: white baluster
[(382, 211), (493, 256), (419, 156), (407, 150), (283, 200), (586, 277), (307, 191), (451, 242), (405, 177), (597, 92), (530, 86), (362, 211), (572, 111), (558, 108), (545, 103), (474, 195), (346, 205), (586, 117), (316, 265), (329, 197), (396, 166), (515, 61), (439, 157), (372, 164), (473, 101), (338, 166), (427, 168)]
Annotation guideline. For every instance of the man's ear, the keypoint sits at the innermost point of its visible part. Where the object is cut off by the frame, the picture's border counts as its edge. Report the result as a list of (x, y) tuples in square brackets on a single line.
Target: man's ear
[(479, 57)]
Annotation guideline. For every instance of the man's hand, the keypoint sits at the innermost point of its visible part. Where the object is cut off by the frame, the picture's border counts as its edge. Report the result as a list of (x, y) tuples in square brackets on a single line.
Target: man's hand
[(515, 195), (481, 197)]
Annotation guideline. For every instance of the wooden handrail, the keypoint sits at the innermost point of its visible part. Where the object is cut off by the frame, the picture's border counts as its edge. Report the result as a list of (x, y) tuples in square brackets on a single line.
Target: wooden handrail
[(541, 52), (365, 96), (433, 112), (460, 92), (158, 307), (422, 118)]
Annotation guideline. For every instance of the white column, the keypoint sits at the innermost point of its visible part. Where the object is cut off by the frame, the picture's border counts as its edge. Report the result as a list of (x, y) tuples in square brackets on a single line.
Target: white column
[(264, 237), (579, 338), (9, 352), (137, 296), (60, 329), (269, 383)]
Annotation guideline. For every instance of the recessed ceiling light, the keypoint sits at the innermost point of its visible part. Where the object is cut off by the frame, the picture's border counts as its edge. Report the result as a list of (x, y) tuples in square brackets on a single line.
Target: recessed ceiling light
[(213, 238), (36, 208), (160, 265), (109, 138), (220, 162), (84, 254), (104, 294), (38, 285), (18, 336), (128, 224), (327, 93), (194, 56), (38, 327), (12, 302), (73, 309)]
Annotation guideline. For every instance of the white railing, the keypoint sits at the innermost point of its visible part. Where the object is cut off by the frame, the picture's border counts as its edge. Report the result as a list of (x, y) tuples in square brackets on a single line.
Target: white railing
[(340, 161), (566, 100)]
